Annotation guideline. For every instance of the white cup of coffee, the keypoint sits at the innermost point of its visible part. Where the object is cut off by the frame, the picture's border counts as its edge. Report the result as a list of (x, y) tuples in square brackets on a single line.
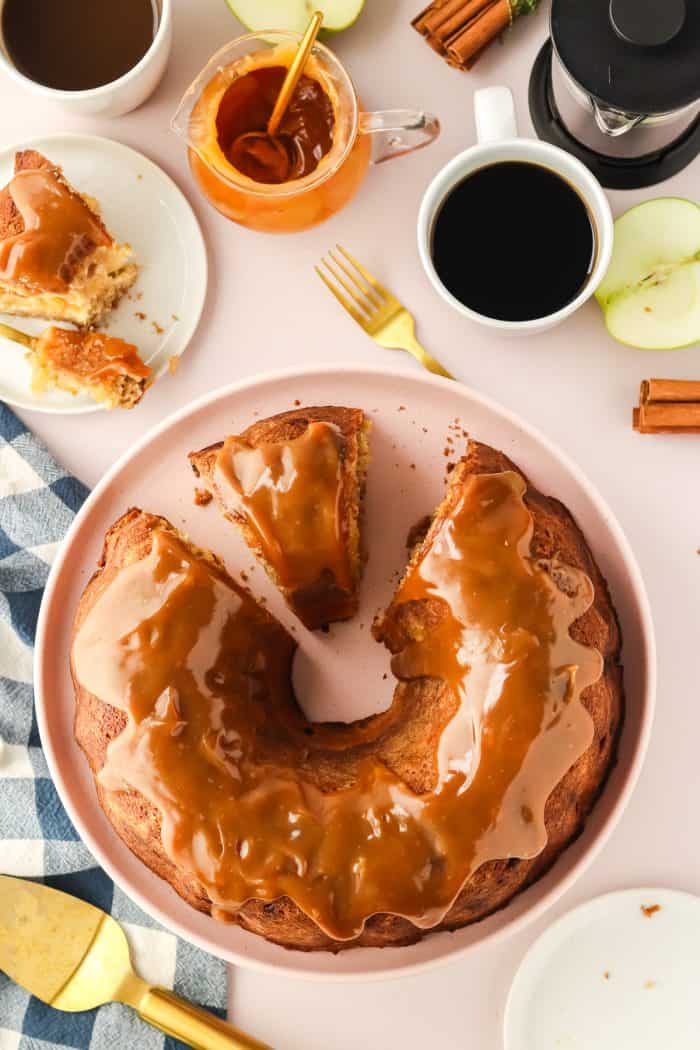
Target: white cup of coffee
[(514, 233), (114, 98)]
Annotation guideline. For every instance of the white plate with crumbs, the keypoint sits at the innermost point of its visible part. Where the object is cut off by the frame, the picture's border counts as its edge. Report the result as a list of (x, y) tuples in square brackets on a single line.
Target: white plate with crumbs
[(141, 205), (620, 972)]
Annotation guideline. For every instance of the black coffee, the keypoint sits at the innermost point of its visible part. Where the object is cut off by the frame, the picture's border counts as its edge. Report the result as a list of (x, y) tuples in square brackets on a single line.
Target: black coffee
[(77, 44), (513, 241)]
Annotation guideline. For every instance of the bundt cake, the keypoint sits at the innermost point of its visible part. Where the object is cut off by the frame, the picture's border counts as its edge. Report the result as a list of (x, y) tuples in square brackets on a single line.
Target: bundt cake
[(428, 816), (293, 484)]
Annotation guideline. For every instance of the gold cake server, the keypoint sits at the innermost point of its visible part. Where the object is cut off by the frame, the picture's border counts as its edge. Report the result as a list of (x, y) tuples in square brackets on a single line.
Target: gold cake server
[(74, 956)]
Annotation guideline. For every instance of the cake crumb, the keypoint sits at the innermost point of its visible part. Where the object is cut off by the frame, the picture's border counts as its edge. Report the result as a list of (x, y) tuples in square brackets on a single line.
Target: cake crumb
[(158, 329), (173, 362), (606, 975), (141, 315), (175, 317), (244, 576), (450, 467), (650, 984), (297, 402), (418, 532), (385, 676), (202, 497), (412, 466), (648, 910), (402, 408)]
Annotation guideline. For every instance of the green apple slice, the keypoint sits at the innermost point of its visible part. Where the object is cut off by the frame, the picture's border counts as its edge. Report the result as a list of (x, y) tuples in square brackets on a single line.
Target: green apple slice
[(258, 15), (650, 295)]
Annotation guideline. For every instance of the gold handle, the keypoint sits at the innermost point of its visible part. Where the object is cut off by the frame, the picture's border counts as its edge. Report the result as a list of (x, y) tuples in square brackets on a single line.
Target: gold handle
[(424, 358), (294, 72), (198, 1028), (16, 336)]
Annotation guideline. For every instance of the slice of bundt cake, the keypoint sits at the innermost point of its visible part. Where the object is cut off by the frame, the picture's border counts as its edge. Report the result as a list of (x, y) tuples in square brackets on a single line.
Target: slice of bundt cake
[(57, 258), (110, 370), (294, 483), (432, 629), (429, 816)]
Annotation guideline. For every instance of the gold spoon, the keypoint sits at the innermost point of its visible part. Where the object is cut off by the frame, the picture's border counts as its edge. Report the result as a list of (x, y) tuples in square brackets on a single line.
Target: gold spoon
[(294, 72), (264, 148)]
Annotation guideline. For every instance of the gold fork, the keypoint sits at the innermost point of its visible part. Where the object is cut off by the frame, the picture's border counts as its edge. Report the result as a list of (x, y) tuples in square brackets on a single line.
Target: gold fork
[(374, 308)]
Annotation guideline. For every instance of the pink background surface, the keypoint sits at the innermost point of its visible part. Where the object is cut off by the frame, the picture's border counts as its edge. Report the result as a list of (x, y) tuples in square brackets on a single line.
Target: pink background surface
[(267, 309)]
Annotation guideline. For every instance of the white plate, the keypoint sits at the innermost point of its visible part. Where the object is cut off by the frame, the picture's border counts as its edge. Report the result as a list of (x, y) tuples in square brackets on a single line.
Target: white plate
[(412, 414), (608, 977), (141, 205)]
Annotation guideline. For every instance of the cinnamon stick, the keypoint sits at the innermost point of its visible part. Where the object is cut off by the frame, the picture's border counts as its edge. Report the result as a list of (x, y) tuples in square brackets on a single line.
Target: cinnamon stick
[(670, 390), (435, 15), (461, 30), (479, 32), (668, 406), (452, 17)]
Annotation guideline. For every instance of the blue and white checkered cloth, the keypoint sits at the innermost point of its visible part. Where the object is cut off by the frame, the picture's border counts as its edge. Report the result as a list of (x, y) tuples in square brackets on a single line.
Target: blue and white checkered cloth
[(37, 840)]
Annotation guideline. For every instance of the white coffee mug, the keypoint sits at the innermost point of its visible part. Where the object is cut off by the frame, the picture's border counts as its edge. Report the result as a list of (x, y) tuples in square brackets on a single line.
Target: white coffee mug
[(498, 140), (121, 95)]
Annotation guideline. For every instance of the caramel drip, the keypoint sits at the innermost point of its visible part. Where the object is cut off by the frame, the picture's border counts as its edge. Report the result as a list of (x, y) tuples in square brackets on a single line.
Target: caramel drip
[(215, 741), (91, 356), (59, 232), (502, 644), (290, 493)]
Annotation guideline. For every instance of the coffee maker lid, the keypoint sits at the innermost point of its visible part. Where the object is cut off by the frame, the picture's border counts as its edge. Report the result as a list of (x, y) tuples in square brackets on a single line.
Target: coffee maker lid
[(637, 56)]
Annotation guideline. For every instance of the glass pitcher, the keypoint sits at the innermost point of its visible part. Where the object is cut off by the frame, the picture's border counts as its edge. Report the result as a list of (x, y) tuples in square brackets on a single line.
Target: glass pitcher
[(358, 138)]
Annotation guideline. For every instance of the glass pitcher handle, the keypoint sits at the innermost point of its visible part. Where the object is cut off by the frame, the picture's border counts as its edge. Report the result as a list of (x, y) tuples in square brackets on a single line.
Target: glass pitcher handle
[(398, 131)]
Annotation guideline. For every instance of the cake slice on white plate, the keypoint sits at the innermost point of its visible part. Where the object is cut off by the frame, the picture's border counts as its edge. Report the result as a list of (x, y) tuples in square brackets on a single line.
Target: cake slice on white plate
[(57, 259)]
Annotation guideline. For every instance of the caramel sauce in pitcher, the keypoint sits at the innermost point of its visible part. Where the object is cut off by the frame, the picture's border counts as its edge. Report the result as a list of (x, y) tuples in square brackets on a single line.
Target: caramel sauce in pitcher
[(305, 131), (290, 495), (296, 180), (59, 231), (256, 803)]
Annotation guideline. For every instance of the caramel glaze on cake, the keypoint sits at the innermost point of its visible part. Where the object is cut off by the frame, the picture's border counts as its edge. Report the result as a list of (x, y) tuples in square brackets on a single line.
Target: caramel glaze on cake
[(428, 816), (293, 484), (57, 258), (107, 368)]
